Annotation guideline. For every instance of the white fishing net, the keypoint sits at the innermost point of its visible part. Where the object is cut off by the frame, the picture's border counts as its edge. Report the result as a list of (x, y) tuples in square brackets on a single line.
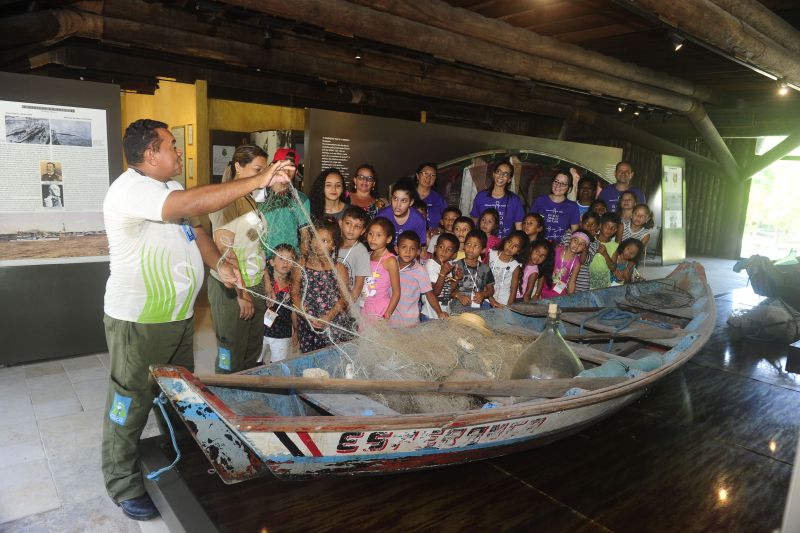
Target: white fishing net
[(460, 348)]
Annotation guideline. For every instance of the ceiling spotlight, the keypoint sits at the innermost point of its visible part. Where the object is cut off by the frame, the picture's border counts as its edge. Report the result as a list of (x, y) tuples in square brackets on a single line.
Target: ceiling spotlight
[(621, 107), (357, 56), (677, 41), (783, 87), (636, 113)]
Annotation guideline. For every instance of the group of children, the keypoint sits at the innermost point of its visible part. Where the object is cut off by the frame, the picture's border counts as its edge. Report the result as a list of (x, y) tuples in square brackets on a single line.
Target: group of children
[(386, 271)]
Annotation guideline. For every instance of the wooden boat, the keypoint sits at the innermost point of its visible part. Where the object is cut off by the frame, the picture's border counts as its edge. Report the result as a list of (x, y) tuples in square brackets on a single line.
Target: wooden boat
[(296, 433)]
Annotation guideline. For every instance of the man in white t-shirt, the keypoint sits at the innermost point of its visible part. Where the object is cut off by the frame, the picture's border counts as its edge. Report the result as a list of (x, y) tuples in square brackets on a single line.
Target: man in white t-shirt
[(156, 259)]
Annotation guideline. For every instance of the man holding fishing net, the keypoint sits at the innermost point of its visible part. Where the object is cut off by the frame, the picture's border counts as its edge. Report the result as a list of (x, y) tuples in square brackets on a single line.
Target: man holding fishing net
[(156, 258)]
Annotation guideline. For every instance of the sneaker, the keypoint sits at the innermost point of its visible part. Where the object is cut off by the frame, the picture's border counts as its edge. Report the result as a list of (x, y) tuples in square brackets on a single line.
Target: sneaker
[(141, 508)]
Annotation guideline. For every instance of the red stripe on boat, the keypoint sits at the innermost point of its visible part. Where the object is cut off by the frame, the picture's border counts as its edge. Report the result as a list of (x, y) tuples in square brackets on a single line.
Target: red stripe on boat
[(309, 444)]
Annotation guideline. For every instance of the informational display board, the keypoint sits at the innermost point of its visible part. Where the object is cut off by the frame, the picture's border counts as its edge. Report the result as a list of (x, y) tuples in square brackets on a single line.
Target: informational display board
[(395, 147), (54, 175), (60, 145), (673, 209)]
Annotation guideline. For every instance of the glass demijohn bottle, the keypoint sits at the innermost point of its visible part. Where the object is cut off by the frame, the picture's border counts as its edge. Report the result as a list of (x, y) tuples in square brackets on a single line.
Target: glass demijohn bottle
[(549, 356)]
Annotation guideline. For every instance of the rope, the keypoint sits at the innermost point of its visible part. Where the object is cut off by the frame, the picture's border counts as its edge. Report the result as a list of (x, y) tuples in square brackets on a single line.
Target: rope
[(160, 401)]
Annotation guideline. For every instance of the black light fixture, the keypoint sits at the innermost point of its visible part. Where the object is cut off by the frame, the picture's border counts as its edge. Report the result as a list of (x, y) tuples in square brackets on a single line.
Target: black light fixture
[(677, 41), (621, 107)]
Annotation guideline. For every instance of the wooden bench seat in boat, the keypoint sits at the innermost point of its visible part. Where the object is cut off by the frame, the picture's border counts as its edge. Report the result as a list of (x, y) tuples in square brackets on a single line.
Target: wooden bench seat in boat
[(347, 404)]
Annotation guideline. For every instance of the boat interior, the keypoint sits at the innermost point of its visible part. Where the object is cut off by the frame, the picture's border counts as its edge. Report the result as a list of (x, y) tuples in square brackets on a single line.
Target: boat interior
[(627, 330)]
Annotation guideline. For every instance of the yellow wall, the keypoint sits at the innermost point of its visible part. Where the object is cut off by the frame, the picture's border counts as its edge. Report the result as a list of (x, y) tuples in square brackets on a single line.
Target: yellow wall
[(181, 104), (173, 103), (228, 115)]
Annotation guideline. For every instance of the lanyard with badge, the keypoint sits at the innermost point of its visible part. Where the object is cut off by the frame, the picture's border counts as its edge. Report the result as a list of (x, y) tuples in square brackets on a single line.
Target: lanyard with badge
[(269, 315), (559, 285), (474, 279)]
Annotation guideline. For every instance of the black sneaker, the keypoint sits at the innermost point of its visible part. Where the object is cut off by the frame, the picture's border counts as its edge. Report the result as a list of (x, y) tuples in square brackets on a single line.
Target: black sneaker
[(141, 508)]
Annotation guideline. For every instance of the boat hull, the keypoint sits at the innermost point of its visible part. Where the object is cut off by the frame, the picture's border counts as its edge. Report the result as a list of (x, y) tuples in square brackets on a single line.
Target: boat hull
[(295, 440), (247, 449)]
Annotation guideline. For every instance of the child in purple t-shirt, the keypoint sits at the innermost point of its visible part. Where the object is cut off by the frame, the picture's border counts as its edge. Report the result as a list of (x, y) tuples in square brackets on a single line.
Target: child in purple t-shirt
[(497, 196), (400, 214), (559, 213)]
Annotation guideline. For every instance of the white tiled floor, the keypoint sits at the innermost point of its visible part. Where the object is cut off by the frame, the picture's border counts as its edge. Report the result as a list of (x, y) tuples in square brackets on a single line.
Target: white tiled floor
[(50, 425)]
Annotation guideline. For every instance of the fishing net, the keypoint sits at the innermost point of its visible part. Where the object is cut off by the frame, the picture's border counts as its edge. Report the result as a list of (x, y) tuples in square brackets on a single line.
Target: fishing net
[(456, 349), (460, 348)]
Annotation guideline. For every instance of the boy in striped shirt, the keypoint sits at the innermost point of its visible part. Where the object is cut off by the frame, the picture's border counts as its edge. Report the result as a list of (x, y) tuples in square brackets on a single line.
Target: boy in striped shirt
[(414, 283)]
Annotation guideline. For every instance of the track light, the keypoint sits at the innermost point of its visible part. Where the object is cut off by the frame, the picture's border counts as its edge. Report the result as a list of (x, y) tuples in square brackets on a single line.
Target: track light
[(677, 41), (783, 87), (621, 107), (357, 56)]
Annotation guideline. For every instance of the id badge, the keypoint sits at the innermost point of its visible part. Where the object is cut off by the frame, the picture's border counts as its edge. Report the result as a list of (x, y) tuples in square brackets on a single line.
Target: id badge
[(187, 229), (559, 286), (269, 317), (472, 303)]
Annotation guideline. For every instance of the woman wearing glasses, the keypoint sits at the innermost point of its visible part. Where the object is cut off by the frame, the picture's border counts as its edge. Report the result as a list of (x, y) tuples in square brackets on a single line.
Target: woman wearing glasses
[(508, 205), (363, 195), (426, 179), (559, 213)]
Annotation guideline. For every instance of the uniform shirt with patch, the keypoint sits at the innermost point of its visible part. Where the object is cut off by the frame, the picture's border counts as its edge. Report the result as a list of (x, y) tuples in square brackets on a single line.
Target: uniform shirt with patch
[(243, 219), (156, 267)]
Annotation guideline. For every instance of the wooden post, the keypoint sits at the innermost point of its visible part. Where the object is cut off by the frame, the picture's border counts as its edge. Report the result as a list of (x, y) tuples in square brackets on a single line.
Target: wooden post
[(701, 121)]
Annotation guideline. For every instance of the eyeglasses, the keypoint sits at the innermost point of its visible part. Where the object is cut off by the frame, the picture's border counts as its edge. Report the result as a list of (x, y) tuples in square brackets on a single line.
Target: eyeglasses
[(502, 174), (428, 174), (365, 178), (561, 183)]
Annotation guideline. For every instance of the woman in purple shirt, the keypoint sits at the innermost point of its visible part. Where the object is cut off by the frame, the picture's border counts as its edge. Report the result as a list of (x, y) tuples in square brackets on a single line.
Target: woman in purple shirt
[(426, 179), (497, 195), (559, 213)]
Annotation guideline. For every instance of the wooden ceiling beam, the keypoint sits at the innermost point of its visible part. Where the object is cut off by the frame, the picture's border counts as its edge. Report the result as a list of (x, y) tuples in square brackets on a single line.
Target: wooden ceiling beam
[(726, 33), (345, 18), (478, 29), (264, 87), (764, 21), (616, 128)]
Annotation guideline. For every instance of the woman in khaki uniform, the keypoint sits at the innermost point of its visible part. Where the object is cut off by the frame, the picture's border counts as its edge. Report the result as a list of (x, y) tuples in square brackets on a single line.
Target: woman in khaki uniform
[(238, 315)]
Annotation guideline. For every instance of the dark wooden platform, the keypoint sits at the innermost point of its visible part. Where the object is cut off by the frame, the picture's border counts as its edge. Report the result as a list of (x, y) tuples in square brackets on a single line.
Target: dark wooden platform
[(709, 449)]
